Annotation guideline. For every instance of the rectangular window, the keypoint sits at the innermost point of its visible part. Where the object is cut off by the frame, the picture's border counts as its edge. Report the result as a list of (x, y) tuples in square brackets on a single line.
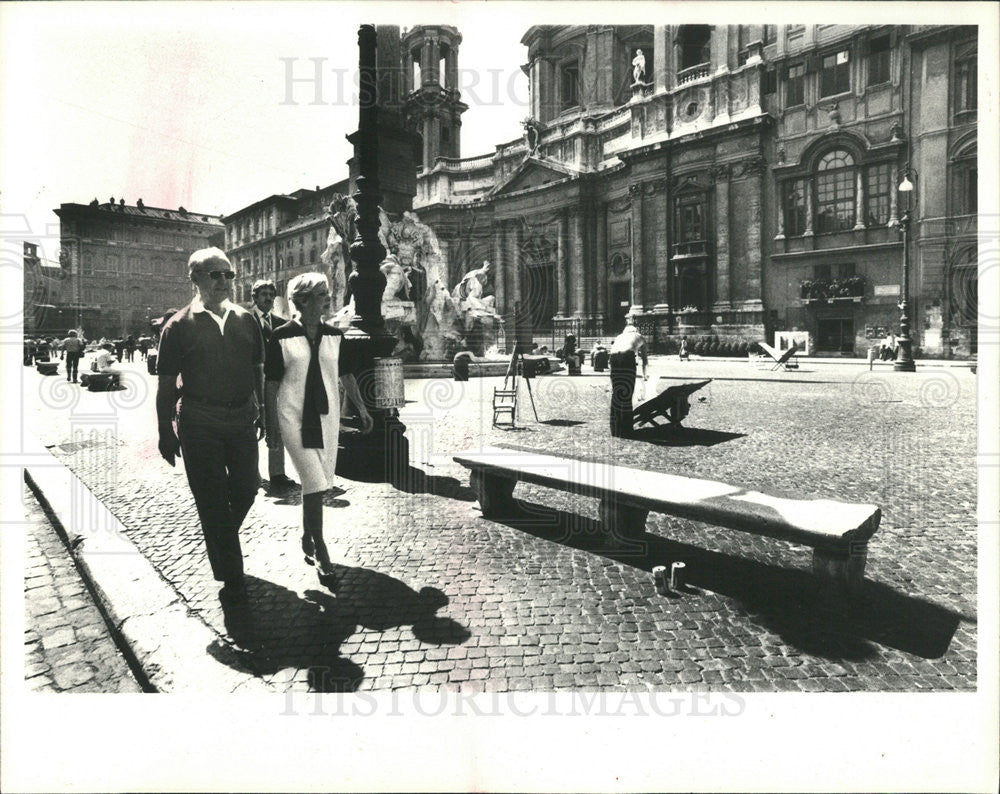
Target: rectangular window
[(794, 207), (879, 57), (690, 220), (795, 85), (822, 272), (835, 75), (967, 188), (835, 200), (770, 34), (570, 85), (966, 87), (879, 187)]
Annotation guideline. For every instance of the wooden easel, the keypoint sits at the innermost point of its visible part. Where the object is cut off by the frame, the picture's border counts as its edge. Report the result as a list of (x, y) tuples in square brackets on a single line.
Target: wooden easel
[(505, 398)]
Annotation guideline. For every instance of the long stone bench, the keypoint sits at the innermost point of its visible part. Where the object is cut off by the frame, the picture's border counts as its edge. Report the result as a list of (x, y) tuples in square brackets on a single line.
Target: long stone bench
[(838, 532)]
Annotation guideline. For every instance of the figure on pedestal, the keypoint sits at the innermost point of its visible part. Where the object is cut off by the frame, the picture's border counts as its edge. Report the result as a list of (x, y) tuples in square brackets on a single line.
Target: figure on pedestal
[(638, 67)]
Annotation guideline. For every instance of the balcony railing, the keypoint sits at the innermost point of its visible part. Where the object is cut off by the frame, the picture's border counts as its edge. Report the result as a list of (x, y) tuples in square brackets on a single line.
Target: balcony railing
[(691, 248), (693, 73), (850, 288)]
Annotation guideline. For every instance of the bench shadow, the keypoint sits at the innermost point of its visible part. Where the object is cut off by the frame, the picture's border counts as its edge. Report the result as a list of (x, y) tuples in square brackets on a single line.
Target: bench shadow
[(672, 435), (782, 600), (278, 629), (561, 422)]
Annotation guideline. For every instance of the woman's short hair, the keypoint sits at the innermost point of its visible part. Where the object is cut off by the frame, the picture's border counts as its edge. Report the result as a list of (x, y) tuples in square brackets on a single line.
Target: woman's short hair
[(302, 286)]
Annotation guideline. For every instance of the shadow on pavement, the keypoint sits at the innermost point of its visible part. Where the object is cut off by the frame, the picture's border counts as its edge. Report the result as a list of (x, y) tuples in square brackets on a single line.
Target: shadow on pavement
[(562, 422), (783, 600), (280, 630), (671, 435)]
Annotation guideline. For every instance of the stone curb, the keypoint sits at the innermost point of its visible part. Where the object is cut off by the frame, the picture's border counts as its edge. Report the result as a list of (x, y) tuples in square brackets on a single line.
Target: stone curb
[(168, 640)]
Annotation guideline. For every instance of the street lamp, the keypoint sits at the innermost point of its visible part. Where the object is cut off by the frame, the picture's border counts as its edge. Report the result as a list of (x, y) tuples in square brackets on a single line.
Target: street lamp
[(904, 361)]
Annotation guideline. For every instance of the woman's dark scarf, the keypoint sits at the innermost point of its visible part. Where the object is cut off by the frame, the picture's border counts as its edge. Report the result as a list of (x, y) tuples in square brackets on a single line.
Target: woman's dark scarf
[(315, 402)]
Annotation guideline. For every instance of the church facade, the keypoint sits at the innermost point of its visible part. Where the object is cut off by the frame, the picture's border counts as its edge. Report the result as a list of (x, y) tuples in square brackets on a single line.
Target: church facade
[(723, 181)]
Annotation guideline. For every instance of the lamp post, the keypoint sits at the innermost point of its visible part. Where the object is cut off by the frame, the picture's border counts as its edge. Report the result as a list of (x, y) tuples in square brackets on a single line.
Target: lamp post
[(382, 455), (904, 361)]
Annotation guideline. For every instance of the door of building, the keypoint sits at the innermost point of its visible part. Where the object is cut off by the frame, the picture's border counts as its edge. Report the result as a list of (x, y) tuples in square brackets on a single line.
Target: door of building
[(619, 299), (835, 335)]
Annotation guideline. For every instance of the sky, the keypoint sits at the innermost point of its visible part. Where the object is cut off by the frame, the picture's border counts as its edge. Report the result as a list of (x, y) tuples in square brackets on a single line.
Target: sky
[(190, 103)]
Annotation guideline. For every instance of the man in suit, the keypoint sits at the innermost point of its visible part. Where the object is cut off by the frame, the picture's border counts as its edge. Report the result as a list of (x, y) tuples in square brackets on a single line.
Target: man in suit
[(264, 293)]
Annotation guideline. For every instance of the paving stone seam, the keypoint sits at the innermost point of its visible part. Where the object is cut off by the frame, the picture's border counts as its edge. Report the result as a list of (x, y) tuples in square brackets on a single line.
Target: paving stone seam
[(142, 634)]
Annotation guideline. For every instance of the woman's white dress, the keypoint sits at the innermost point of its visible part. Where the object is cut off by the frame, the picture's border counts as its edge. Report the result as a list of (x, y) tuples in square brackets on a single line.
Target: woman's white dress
[(287, 363)]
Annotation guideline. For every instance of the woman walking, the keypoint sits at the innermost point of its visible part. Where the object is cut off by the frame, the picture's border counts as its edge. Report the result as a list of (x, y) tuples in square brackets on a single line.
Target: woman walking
[(304, 360)]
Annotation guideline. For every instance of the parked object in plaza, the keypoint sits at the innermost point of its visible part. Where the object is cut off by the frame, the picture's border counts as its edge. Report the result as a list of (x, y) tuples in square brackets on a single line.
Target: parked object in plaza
[(780, 359), (48, 367), (838, 532), (670, 404)]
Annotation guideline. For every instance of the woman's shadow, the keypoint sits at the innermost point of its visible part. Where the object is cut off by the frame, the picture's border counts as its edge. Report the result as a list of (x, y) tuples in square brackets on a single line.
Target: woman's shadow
[(279, 630)]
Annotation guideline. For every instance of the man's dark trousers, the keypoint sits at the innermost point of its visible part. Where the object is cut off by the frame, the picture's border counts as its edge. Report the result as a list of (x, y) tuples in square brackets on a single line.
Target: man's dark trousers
[(622, 388), (219, 451), (72, 365)]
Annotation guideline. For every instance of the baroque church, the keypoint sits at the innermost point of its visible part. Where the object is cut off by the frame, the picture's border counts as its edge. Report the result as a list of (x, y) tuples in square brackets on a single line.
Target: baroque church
[(715, 181)]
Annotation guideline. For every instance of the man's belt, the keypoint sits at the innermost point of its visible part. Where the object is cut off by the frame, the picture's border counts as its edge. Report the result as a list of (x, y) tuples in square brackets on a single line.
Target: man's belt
[(197, 398)]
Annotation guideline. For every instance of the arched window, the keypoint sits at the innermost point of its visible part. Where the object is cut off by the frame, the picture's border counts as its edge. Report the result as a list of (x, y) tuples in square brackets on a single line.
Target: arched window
[(835, 191)]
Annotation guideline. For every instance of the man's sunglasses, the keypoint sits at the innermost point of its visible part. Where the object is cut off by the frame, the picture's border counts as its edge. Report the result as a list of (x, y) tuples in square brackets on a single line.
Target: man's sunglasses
[(217, 274)]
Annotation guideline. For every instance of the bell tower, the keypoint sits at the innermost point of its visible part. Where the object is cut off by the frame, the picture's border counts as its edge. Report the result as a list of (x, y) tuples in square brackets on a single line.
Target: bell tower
[(433, 104)]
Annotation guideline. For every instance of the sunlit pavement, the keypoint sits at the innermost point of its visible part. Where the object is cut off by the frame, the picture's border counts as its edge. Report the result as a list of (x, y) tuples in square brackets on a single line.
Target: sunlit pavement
[(432, 595)]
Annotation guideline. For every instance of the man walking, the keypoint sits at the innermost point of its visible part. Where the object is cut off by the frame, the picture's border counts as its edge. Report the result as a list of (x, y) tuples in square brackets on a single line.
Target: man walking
[(264, 293), (73, 348), (216, 348), (626, 346)]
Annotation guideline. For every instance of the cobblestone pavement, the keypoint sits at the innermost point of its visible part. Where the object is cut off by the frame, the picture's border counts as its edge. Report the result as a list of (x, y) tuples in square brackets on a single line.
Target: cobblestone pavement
[(67, 645), (433, 595)]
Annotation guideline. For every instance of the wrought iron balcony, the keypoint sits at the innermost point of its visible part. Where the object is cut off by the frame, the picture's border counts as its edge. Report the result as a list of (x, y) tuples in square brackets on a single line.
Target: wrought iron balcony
[(850, 288)]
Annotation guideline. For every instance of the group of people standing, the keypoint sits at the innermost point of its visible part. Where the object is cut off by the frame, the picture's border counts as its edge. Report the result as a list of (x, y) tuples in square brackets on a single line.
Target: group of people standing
[(222, 355)]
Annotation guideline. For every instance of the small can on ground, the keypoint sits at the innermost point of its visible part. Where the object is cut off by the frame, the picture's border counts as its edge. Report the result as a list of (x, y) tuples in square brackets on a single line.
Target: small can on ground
[(677, 575)]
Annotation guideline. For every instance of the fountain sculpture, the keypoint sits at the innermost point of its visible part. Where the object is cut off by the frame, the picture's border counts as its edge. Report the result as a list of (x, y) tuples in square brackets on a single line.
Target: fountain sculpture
[(429, 323)]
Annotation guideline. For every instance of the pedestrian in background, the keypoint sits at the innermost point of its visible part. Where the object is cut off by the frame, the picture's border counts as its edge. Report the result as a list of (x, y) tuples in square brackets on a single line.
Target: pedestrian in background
[(73, 347), (217, 350), (305, 358), (622, 360), (129, 348), (264, 292)]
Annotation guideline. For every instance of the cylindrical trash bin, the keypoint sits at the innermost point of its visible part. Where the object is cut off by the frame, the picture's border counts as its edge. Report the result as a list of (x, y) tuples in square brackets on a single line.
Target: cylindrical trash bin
[(460, 365), (151, 363)]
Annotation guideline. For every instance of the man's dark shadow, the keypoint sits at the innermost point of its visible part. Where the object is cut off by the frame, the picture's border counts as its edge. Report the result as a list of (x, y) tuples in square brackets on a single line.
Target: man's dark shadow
[(276, 629), (674, 435), (780, 599)]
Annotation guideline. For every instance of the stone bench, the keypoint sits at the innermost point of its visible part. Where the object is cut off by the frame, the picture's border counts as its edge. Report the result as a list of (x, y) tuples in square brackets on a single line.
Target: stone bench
[(838, 532), (47, 367)]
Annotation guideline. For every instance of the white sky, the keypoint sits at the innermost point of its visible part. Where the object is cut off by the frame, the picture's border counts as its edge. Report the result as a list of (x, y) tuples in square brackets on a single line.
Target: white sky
[(184, 103)]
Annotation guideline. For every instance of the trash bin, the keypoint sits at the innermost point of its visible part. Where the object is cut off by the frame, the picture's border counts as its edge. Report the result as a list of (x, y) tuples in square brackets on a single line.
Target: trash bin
[(151, 363), (573, 363), (460, 365)]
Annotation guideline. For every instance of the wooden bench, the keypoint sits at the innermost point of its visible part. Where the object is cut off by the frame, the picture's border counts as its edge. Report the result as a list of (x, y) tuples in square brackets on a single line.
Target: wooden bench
[(838, 532), (670, 404)]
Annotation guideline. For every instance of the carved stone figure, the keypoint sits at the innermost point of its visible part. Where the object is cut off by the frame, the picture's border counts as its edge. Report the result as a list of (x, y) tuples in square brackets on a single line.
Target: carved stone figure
[(638, 67)]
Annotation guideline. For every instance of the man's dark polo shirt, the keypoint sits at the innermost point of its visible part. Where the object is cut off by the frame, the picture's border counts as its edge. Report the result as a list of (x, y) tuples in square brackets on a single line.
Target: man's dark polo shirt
[(212, 365)]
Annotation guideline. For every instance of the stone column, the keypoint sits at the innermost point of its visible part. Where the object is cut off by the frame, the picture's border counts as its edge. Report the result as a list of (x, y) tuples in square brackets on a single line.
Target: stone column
[(601, 260), (435, 58), (638, 276), (425, 64), (514, 257), (754, 219), (859, 202), (780, 202), (807, 186), (452, 77), (577, 240), (562, 274), (893, 198), (661, 43), (722, 289), (500, 265)]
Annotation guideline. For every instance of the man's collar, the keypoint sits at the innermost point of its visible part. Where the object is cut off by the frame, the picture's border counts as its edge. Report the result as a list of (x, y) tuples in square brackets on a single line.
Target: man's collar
[(197, 305)]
